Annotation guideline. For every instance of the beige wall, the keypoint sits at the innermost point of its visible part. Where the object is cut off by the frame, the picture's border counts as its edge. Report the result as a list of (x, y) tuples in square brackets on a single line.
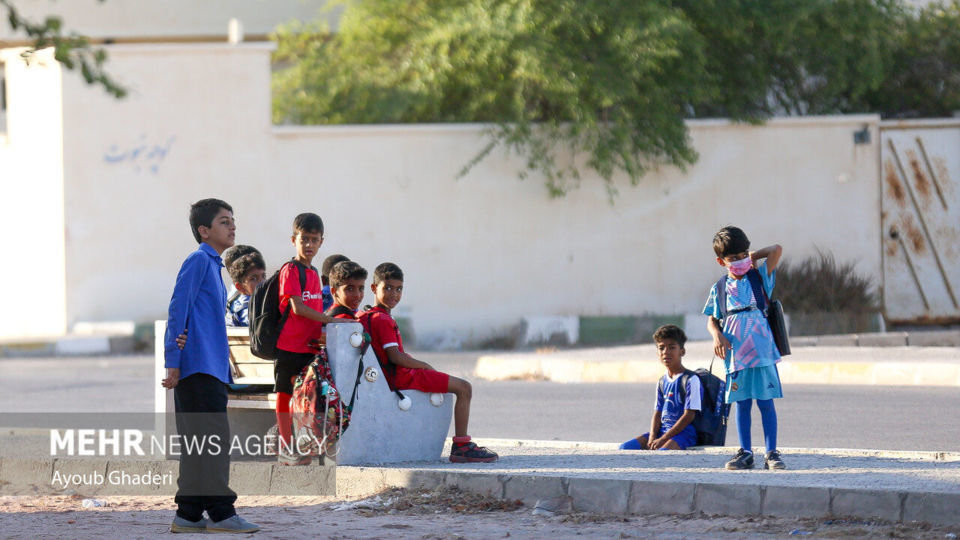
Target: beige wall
[(31, 199), (169, 19), (479, 252)]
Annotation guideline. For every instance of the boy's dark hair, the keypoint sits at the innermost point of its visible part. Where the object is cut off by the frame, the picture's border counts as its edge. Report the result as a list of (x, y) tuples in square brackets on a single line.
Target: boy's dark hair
[(202, 213), (344, 271), (670, 331), (730, 241), (244, 264), (235, 252), (385, 271), (308, 223), (330, 262)]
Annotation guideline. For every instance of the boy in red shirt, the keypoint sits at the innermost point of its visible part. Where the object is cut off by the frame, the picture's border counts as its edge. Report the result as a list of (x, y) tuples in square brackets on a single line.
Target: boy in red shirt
[(403, 371), (347, 281), (302, 329)]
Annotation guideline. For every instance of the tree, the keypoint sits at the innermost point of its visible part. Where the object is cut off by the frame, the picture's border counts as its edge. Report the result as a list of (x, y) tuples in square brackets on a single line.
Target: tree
[(555, 78), (924, 76), (784, 57), (72, 50)]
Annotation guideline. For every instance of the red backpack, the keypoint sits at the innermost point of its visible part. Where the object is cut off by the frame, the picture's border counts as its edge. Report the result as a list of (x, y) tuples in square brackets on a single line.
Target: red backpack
[(319, 414)]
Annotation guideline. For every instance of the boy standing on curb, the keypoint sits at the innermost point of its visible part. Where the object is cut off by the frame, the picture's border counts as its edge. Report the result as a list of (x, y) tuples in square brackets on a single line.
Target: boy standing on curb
[(300, 291), (199, 375)]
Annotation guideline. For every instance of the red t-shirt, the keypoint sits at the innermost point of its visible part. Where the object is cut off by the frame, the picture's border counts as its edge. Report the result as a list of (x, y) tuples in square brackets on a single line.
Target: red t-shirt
[(384, 333), (299, 331)]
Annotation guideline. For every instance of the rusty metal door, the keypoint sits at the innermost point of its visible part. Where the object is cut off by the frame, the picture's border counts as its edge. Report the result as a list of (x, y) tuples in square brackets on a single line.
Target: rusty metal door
[(920, 218)]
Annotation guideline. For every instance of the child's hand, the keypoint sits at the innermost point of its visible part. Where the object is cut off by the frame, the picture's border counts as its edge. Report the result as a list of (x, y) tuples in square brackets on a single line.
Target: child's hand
[(657, 443), (172, 378), (182, 340), (721, 345)]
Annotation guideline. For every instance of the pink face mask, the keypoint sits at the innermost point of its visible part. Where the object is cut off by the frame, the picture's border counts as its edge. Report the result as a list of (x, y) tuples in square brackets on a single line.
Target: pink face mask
[(741, 267)]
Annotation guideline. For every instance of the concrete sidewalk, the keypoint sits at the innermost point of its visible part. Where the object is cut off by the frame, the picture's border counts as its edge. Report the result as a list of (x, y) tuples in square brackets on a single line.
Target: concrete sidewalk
[(892, 486), (809, 364)]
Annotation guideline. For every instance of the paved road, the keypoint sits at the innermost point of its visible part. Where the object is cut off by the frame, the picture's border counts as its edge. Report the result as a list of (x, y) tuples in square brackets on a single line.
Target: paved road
[(820, 416)]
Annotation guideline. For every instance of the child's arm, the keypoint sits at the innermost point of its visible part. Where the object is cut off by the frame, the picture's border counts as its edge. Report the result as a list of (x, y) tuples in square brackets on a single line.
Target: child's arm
[(771, 254), (405, 360), (720, 342), (185, 293), (681, 424), (302, 310), (654, 427)]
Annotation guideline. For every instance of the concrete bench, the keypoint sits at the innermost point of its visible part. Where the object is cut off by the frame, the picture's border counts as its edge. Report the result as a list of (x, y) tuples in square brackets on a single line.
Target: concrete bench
[(379, 432)]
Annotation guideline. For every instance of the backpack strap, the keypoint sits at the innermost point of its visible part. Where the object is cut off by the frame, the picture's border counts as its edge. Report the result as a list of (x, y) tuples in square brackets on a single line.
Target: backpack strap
[(756, 283), (340, 310), (386, 365), (684, 379), (722, 296)]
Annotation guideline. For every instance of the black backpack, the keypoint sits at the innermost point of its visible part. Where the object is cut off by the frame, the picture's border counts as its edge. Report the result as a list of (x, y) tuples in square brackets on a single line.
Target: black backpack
[(771, 309), (266, 321), (711, 420)]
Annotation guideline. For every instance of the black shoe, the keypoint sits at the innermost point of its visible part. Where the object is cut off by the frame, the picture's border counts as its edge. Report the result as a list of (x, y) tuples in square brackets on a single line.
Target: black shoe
[(774, 461), (743, 460)]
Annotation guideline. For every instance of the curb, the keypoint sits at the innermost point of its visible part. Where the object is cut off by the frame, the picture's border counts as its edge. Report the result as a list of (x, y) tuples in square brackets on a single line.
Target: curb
[(928, 366), (69, 345), (738, 495)]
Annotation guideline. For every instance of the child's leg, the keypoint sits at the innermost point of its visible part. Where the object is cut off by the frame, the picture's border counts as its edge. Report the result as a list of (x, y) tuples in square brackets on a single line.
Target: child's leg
[(743, 423), (768, 415), (637, 443), (461, 410), (284, 423)]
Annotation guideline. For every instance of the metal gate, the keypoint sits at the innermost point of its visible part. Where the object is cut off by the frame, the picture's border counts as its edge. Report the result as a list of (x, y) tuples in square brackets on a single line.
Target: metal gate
[(920, 218)]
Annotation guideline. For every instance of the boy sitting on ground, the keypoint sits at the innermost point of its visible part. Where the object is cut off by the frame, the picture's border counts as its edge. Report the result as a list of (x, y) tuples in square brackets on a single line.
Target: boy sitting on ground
[(246, 271), (403, 371), (347, 281), (675, 408)]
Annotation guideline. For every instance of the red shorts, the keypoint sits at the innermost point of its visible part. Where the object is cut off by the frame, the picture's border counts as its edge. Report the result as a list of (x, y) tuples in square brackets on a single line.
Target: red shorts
[(424, 380)]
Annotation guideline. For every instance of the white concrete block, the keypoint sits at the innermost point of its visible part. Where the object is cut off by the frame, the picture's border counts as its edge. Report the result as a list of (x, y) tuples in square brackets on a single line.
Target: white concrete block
[(866, 503), (83, 345), (111, 328), (600, 495), (796, 502), (695, 327), (541, 328), (728, 499), (379, 431), (661, 498)]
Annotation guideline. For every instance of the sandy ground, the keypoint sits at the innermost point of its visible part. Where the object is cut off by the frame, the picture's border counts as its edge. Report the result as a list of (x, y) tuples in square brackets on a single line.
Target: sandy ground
[(440, 514)]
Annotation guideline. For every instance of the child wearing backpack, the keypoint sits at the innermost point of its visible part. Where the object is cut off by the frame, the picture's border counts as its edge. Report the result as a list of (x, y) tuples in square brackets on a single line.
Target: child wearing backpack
[(742, 337), (302, 328), (679, 394), (403, 371)]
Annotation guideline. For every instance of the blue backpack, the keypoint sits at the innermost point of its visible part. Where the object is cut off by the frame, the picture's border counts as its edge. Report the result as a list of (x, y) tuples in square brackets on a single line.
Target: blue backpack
[(711, 420)]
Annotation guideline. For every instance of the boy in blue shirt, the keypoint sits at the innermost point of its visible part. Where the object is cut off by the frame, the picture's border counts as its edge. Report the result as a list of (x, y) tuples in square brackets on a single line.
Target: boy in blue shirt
[(199, 374), (675, 409)]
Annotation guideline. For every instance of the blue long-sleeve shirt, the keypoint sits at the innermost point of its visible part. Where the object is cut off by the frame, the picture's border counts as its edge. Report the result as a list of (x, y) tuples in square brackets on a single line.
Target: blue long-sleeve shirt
[(198, 303)]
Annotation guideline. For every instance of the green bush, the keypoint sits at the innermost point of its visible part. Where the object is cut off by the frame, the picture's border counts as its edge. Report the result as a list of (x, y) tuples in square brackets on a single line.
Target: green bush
[(822, 296)]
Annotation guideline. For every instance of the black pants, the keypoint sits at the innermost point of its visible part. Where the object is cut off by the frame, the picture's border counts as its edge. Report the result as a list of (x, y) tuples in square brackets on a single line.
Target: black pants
[(201, 404)]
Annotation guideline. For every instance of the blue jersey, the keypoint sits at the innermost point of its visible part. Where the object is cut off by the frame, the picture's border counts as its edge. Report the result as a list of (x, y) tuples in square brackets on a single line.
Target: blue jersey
[(237, 311), (669, 404)]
